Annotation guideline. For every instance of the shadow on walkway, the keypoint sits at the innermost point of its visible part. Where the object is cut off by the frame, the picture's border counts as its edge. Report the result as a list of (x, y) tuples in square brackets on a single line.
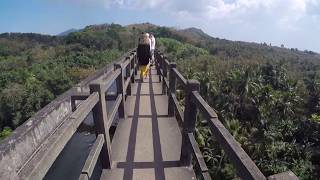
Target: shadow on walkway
[(158, 164)]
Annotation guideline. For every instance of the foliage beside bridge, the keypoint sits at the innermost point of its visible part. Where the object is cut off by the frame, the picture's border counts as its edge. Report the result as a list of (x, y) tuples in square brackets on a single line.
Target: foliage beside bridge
[(266, 109), (34, 69)]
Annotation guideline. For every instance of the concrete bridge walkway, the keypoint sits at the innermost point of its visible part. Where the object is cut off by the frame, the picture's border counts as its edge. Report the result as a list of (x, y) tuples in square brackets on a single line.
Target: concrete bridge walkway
[(147, 143)]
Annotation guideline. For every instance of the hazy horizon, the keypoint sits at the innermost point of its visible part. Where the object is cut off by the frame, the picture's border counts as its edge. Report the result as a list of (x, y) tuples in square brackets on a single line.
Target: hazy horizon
[(294, 23)]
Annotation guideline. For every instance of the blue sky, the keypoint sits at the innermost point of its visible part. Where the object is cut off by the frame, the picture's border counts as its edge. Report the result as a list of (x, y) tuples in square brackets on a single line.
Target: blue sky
[(294, 23)]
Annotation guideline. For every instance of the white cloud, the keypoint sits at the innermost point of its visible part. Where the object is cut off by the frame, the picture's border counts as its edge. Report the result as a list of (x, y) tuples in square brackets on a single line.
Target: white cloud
[(290, 22), (284, 13), (139, 4)]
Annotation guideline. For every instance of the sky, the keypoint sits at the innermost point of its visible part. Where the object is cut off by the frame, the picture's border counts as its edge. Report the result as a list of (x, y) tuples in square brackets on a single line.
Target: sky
[(294, 23)]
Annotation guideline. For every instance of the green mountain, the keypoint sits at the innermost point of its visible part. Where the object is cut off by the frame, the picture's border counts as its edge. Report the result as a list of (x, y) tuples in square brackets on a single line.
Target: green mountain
[(65, 33)]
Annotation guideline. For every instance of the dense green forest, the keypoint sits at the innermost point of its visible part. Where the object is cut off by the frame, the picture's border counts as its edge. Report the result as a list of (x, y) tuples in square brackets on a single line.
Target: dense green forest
[(34, 69), (270, 106), (268, 97)]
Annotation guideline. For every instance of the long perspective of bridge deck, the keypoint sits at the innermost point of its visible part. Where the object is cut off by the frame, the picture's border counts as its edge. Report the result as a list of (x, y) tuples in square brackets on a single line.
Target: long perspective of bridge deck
[(147, 143), (152, 138)]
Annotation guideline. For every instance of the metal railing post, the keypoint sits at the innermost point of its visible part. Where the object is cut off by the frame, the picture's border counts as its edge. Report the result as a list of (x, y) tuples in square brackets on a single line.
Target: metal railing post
[(120, 90), (189, 122), (172, 89), (136, 63), (132, 62), (73, 104), (100, 118), (165, 76), (161, 67), (157, 63), (128, 72)]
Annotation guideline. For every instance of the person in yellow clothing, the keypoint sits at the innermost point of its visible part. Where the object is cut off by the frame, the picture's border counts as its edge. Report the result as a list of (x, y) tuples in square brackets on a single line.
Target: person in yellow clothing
[(144, 55)]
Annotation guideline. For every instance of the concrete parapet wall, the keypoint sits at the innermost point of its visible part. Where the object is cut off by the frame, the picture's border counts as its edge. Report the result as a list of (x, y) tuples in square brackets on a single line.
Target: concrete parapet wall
[(18, 149)]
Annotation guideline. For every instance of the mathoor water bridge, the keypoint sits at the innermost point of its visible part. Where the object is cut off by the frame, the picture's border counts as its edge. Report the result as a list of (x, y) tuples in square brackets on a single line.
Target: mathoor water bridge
[(146, 134)]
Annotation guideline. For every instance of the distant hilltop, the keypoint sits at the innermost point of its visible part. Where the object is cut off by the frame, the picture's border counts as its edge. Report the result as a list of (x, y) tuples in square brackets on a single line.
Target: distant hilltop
[(65, 33), (192, 35)]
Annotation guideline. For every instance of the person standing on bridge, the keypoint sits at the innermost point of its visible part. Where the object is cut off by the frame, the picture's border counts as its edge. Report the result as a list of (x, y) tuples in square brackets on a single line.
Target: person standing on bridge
[(144, 55), (152, 47)]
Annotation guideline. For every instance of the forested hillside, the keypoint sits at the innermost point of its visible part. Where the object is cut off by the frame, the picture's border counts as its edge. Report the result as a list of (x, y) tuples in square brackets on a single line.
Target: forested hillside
[(268, 97), (34, 69), (270, 106)]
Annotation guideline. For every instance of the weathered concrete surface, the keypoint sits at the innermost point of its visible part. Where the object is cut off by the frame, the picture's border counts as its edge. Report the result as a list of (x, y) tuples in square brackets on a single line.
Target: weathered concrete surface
[(25, 141), (147, 144), (174, 173), (289, 175), (16, 150)]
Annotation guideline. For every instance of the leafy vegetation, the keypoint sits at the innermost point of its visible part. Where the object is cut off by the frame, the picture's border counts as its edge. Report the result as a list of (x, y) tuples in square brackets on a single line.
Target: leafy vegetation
[(34, 69), (269, 111), (267, 97)]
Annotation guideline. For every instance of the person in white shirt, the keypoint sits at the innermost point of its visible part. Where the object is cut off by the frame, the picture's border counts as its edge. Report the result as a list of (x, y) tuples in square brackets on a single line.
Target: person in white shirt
[(152, 47)]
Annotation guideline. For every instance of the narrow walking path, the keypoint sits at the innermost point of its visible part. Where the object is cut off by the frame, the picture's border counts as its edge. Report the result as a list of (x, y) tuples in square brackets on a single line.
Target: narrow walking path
[(147, 144)]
